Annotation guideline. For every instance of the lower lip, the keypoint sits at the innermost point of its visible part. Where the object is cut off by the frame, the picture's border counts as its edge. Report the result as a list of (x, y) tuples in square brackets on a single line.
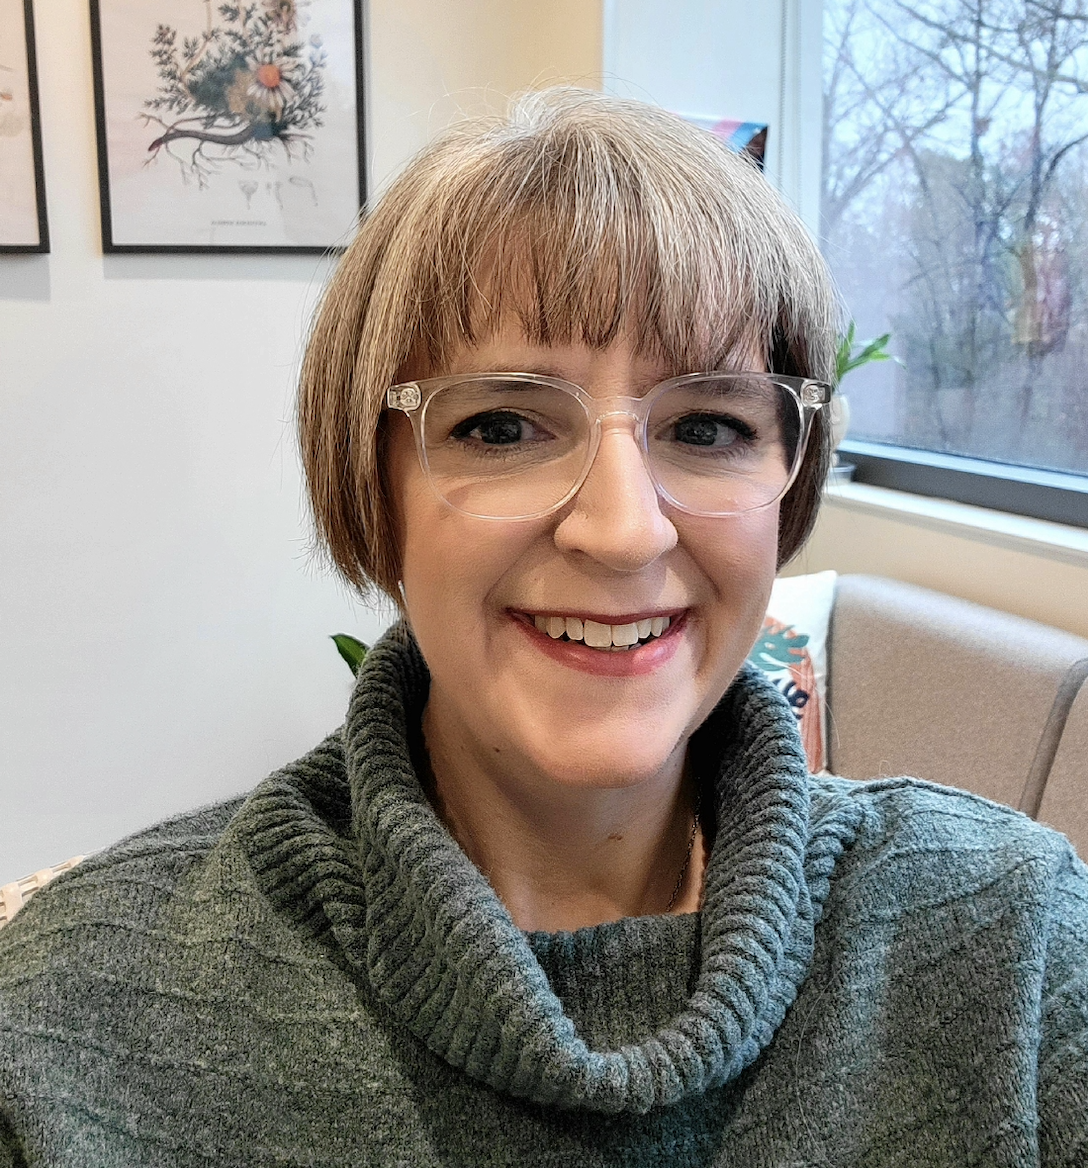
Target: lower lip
[(635, 662)]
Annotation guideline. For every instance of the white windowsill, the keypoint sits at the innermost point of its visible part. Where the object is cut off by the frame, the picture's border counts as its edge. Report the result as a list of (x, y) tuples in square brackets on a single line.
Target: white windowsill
[(1033, 536)]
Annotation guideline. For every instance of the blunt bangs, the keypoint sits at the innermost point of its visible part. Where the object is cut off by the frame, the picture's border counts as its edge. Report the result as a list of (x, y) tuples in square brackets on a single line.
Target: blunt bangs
[(584, 218)]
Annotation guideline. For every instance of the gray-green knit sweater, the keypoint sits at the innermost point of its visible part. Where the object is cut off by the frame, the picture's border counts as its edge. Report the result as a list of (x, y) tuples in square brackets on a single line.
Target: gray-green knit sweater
[(884, 973)]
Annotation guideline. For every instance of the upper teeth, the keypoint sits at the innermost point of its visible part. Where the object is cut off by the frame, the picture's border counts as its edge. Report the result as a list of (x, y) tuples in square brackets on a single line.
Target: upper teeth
[(601, 636)]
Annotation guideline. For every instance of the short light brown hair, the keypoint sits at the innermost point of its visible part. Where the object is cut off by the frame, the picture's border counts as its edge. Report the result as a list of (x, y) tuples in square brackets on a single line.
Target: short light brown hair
[(587, 217)]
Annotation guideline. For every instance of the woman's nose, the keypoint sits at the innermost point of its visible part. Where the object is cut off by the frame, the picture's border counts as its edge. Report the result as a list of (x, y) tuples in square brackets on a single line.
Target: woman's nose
[(616, 517)]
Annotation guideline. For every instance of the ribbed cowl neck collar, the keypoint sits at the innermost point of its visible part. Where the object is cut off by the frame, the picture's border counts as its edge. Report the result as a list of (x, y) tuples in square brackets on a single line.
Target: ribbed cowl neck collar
[(411, 913)]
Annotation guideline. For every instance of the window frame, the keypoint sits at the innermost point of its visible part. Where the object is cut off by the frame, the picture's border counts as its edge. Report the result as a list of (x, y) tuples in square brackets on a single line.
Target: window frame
[(1056, 496)]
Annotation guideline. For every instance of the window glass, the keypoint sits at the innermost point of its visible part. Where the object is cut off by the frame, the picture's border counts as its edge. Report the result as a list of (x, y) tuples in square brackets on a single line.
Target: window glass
[(954, 213)]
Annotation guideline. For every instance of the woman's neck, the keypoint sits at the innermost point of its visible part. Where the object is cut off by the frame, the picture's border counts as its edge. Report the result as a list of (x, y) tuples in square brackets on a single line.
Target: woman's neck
[(564, 857)]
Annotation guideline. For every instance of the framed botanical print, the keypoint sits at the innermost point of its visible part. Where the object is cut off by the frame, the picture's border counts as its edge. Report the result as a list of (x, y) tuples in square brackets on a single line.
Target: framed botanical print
[(23, 226), (228, 127)]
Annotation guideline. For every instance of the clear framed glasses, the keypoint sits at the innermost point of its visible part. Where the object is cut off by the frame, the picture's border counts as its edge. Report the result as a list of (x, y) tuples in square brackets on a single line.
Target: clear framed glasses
[(520, 445)]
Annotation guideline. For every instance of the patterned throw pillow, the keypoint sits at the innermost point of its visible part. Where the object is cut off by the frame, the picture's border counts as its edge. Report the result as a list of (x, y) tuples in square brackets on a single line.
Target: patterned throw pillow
[(792, 650)]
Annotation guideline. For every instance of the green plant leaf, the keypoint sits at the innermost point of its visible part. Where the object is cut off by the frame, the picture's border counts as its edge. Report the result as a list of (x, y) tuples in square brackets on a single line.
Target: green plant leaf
[(846, 359), (842, 354), (351, 649)]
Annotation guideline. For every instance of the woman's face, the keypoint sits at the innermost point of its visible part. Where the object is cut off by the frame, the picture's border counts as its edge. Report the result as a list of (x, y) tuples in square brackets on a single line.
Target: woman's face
[(511, 698)]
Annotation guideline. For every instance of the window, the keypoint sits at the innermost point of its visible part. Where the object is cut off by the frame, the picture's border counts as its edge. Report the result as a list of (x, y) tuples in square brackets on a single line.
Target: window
[(954, 213)]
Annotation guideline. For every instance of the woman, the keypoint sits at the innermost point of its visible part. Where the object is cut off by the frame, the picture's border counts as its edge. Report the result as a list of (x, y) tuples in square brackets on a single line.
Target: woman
[(561, 890)]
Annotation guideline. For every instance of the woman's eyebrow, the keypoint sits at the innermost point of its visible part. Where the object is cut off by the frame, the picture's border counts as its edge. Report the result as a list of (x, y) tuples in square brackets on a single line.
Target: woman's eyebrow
[(734, 362), (534, 367), (544, 371), (639, 388), (640, 385)]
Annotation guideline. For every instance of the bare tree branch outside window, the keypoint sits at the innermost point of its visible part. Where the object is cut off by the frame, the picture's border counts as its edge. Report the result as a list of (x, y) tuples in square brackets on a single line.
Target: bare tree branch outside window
[(954, 212)]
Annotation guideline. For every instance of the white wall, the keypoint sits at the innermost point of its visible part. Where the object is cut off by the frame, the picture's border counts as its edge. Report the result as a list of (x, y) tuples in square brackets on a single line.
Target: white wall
[(163, 633), (432, 58)]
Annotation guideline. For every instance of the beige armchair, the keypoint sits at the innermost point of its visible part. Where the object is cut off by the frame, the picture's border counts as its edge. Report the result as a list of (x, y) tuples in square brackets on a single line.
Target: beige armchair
[(1064, 804), (924, 684), (13, 896)]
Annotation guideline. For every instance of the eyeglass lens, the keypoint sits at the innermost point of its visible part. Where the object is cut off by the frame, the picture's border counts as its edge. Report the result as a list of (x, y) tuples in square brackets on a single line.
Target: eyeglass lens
[(513, 448)]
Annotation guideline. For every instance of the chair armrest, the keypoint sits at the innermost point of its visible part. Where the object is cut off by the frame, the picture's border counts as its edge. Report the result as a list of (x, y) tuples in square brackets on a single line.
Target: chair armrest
[(929, 685), (13, 896)]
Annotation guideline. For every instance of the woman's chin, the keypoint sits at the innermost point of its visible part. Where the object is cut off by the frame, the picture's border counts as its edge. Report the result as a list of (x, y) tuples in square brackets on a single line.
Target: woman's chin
[(597, 762), (579, 731)]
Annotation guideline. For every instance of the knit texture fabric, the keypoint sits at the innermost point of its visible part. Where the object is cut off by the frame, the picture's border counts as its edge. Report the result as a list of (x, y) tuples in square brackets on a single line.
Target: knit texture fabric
[(884, 973)]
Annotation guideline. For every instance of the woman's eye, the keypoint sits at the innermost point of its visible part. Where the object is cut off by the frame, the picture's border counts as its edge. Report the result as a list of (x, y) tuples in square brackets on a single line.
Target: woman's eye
[(496, 429), (706, 430)]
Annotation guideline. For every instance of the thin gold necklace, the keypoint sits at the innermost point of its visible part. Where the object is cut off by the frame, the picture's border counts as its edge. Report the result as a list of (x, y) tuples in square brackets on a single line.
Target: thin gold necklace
[(687, 857)]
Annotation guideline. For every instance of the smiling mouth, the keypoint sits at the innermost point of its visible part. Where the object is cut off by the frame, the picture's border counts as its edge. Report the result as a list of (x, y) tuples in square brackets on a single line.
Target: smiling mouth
[(605, 637)]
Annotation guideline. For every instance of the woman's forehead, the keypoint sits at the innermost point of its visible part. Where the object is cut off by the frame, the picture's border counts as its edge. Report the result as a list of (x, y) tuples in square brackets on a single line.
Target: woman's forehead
[(510, 349)]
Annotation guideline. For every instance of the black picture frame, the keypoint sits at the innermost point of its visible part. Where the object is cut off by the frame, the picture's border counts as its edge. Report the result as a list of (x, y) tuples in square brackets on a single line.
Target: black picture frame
[(41, 245), (117, 235)]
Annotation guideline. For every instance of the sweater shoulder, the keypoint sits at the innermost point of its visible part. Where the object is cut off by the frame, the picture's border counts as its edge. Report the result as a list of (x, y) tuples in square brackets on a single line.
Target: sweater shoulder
[(925, 842), (906, 804), (153, 880), (139, 871)]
